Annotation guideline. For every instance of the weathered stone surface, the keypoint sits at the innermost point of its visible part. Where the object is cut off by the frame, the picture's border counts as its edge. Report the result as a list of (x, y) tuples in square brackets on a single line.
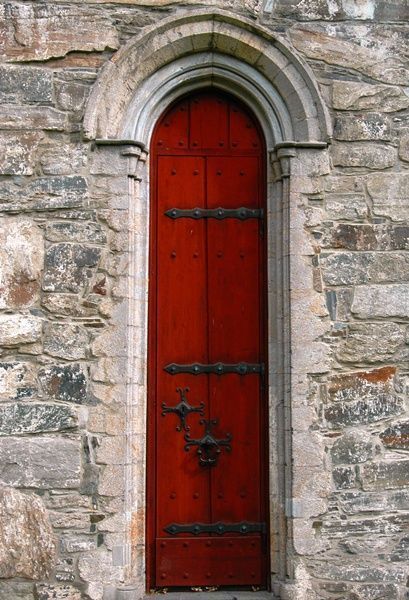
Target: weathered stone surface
[(346, 207), (40, 462), (363, 412), (17, 380), (396, 436), (349, 268), (404, 147), (352, 448), (368, 502), (33, 117), (63, 159), (360, 398), (344, 478), (75, 232), (349, 386), (45, 591), (71, 95), (21, 262), (24, 29), (65, 382), (381, 301), (35, 418), (44, 193), (379, 591), (69, 267), (339, 304), (97, 566), (401, 552), (371, 343), (385, 475), (353, 95), (352, 237), (389, 193), (69, 304), (25, 85), (17, 152), (15, 590), (359, 154), (366, 126), (358, 571), (331, 10), (74, 519), (78, 543), (375, 54), (19, 329), (27, 547), (376, 236), (65, 340)]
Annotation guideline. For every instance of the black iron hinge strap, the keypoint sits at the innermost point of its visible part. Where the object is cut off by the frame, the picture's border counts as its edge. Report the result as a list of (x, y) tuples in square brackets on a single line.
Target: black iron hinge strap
[(241, 213), (218, 368), (243, 527)]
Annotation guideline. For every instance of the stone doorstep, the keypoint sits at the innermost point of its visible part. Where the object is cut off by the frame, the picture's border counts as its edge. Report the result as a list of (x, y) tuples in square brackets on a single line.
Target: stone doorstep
[(212, 596)]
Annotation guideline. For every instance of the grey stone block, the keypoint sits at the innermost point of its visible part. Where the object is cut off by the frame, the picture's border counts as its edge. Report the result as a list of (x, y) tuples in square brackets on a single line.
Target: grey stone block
[(385, 475), (353, 268), (66, 382), (40, 462), (372, 343), (21, 418), (65, 340), (75, 232), (17, 380), (24, 84), (69, 267), (375, 301)]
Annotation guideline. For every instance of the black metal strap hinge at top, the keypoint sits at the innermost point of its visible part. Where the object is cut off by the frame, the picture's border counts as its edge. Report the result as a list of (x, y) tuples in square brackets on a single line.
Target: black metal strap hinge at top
[(241, 213), (243, 527), (218, 368)]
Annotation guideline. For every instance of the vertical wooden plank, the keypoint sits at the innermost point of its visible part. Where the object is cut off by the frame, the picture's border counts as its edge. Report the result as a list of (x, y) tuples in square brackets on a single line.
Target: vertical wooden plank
[(182, 489), (209, 124), (244, 134), (234, 335), (173, 129)]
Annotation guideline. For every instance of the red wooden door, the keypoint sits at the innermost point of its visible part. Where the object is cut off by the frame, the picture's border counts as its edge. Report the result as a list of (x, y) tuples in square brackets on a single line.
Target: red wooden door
[(207, 417)]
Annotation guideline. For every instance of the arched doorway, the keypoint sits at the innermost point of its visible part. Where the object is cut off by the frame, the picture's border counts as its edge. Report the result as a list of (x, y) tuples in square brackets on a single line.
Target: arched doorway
[(207, 413)]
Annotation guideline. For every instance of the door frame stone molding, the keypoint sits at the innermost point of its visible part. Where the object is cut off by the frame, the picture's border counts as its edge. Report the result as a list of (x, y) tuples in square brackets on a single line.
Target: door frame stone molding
[(188, 52)]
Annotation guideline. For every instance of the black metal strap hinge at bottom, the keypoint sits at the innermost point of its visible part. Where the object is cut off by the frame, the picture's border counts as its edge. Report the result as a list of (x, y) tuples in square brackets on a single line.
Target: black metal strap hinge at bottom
[(220, 528), (243, 213), (218, 368)]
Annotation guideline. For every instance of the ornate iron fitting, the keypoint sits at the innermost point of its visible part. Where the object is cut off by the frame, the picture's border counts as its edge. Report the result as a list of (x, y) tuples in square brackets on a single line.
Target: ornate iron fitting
[(219, 368), (183, 409), (220, 213), (209, 447), (244, 527)]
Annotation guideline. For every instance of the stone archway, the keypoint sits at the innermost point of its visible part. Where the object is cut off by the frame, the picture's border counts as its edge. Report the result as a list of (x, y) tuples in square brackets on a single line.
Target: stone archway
[(194, 50)]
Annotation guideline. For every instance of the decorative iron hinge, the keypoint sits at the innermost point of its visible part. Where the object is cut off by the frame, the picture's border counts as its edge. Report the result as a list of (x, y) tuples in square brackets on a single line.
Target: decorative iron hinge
[(219, 528), (241, 213), (209, 447), (219, 368), (183, 409)]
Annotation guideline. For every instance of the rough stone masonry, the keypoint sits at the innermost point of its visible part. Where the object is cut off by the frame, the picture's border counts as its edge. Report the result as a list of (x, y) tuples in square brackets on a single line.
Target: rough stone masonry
[(63, 261)]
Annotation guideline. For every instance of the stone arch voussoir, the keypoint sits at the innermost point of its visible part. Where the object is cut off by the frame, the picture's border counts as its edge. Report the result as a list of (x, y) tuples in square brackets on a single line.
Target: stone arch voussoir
[(297, 103)]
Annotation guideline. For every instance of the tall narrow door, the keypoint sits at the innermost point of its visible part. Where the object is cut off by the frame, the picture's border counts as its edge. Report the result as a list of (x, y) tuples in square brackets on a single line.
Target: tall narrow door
[(207, 417)]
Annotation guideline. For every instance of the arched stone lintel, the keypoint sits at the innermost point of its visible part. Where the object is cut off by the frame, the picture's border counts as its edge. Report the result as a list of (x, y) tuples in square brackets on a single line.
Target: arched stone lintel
[(225, 39)]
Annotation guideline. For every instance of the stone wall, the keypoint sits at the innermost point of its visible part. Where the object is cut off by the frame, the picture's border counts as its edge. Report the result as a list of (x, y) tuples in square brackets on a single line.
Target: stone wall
[(64, 254)]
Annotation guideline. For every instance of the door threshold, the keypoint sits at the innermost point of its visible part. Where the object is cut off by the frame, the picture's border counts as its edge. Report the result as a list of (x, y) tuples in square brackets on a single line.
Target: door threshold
[(228, 595)]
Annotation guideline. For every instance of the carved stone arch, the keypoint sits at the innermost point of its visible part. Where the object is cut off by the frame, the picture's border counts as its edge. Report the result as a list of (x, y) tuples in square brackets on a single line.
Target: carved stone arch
[(295, 99), (191, 51)]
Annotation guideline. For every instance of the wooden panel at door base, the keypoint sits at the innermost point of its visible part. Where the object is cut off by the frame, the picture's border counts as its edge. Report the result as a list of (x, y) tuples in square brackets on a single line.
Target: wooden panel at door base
[(206, 561)]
